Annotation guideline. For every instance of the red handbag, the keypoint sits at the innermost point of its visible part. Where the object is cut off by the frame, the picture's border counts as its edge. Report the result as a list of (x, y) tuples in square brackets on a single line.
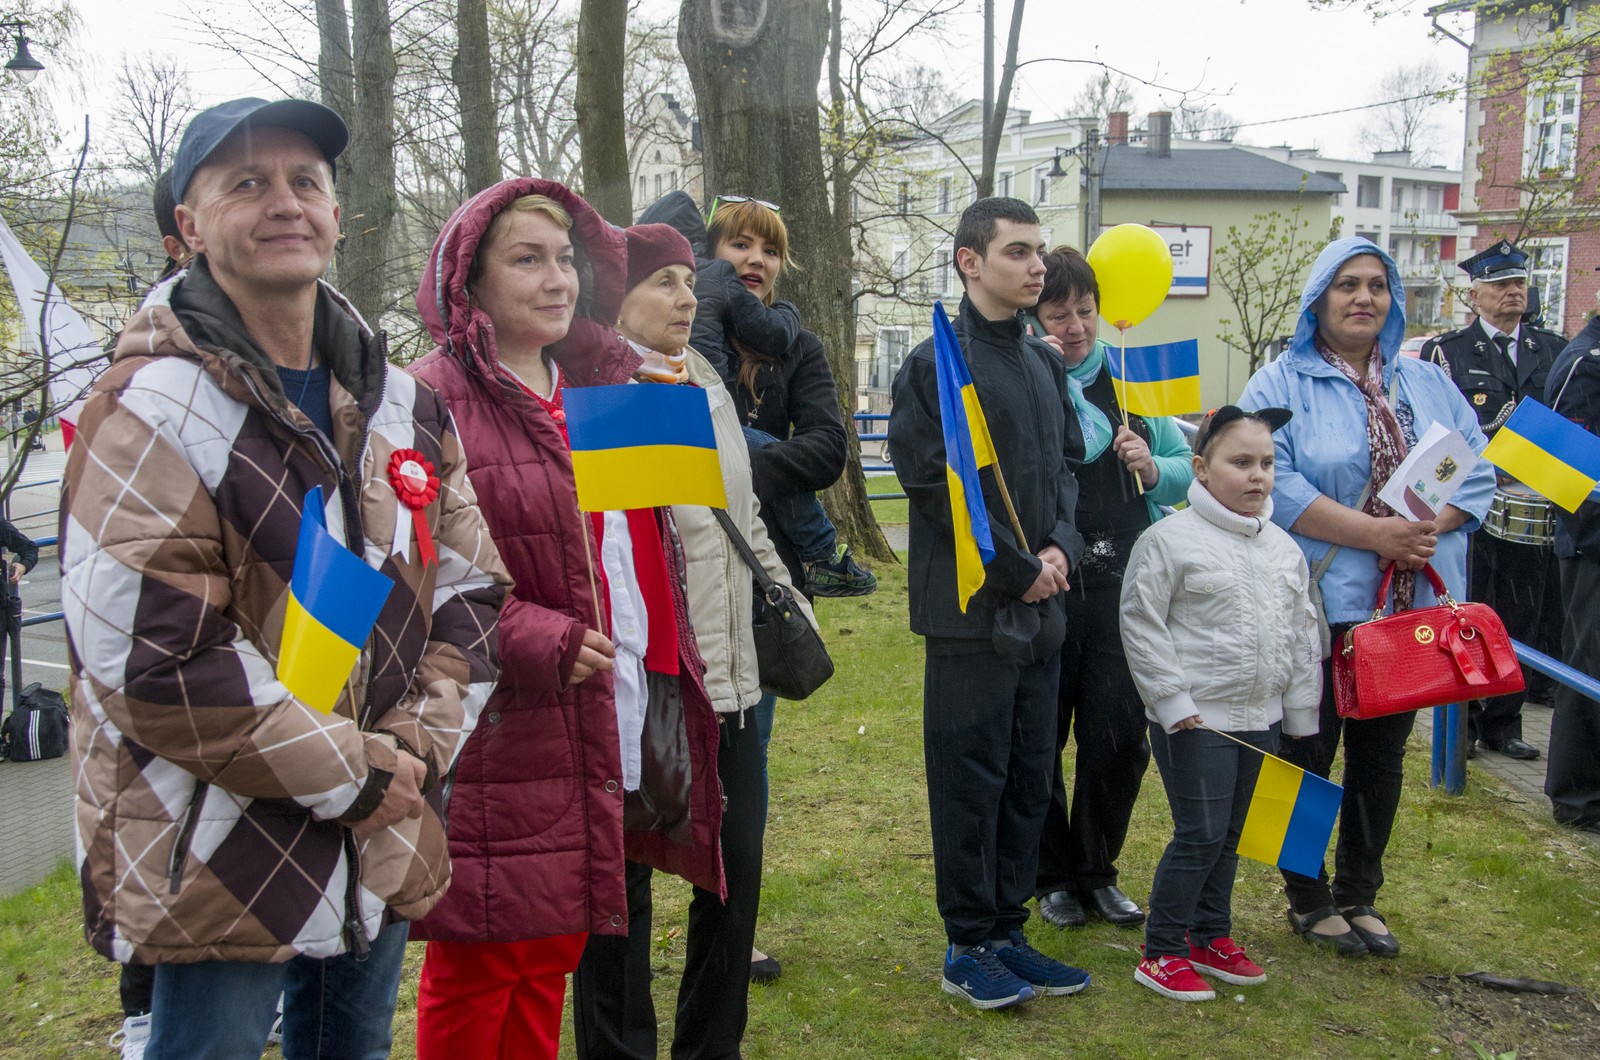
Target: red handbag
[(1425, 657)]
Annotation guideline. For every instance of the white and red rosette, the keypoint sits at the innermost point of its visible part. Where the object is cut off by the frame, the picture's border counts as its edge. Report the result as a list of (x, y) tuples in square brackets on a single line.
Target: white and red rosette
[(415, 485)]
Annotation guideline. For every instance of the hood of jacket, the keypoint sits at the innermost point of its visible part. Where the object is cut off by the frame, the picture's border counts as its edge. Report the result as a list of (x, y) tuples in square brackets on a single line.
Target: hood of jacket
[(678, 209), (465, 332), (1323, 270)]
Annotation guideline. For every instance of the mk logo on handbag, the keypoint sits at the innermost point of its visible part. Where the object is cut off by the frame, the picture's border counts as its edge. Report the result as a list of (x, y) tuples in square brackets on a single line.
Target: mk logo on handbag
[(1424, 634)]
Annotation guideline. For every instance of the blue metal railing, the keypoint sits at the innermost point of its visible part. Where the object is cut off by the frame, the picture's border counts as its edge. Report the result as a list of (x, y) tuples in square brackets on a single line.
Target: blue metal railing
[(878, 436), (1449, 722)]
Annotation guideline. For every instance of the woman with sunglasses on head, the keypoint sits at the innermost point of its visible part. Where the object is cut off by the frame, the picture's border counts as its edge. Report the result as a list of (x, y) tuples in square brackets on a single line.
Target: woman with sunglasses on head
[(613, 1014), (783, 391)]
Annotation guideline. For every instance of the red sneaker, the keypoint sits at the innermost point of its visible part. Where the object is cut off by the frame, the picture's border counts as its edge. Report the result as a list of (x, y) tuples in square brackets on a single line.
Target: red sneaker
[(1173, 977), (1225, 960)]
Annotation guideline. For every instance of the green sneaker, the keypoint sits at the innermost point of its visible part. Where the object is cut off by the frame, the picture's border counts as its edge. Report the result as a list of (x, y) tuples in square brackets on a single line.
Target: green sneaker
[(842, 576)]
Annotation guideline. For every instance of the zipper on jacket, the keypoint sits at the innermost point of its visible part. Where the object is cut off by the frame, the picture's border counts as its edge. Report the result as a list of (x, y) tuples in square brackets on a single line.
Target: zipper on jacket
[(180, 849), (355, 932)]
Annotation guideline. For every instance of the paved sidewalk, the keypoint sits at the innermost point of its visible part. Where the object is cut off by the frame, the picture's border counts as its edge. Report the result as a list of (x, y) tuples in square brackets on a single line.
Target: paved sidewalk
[(35, 821)]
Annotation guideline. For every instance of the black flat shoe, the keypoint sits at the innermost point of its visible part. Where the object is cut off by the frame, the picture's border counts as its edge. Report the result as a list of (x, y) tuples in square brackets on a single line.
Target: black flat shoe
[(766, 970), (1385, 945), (1062, 909), (1517, 748), (1349, 944), (1114, 907)]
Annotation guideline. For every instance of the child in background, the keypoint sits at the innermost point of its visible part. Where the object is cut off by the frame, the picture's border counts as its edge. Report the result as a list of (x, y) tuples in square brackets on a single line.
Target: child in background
[(1221, 636)]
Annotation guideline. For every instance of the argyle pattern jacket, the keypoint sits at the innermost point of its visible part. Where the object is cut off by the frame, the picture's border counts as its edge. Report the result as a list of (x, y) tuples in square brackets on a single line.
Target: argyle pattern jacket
[(212, 805)]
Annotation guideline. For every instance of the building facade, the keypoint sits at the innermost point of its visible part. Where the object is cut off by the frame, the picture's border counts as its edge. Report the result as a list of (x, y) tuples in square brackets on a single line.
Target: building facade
[(1410, 212), (1532, 168)]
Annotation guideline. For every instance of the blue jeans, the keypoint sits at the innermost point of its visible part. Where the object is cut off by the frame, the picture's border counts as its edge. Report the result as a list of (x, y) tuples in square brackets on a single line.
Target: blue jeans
[(799, 515), (1209, 781), (339, 1008)]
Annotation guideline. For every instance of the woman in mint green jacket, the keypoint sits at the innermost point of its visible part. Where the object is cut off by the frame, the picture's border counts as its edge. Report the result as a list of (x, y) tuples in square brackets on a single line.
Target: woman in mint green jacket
[(1099, 704)]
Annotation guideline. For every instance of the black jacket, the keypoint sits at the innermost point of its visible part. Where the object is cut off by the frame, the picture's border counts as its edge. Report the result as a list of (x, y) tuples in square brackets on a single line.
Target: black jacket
[(1574, 391), (1021, 385), (794, 400), (20, 545), (1488, 380), (726, 306)]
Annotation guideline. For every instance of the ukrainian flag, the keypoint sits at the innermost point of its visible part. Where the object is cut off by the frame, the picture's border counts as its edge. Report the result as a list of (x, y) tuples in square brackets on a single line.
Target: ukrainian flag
[(967, 448), (1548, 452), (334, 599), (643, 445), (1291, 817), (1161, 380)]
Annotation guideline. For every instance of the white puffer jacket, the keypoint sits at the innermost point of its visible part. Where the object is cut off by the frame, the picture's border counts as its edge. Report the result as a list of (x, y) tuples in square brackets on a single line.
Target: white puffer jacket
[(721, 604), (1217, 621)]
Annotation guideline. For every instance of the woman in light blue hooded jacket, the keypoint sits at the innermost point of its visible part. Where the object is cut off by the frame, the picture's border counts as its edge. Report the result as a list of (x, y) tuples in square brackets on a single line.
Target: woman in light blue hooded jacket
[(1358, 408)]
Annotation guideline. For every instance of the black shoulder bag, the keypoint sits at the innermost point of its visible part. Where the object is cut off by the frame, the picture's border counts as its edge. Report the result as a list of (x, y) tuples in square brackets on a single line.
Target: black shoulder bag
[(789, 653)]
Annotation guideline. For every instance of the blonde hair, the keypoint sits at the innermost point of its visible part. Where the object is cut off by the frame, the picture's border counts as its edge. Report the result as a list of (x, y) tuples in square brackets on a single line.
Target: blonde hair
[(525, 204), (731, 218)]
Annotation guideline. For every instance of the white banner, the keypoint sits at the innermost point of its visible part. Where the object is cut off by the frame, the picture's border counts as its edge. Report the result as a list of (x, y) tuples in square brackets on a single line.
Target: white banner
[(65, 334)]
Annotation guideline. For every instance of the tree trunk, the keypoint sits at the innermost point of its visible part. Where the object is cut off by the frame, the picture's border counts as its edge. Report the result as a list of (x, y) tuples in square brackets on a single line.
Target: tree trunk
[(602, 130), (368, 164), (334, 76), (472, 70), (755, 67), (995, 119)]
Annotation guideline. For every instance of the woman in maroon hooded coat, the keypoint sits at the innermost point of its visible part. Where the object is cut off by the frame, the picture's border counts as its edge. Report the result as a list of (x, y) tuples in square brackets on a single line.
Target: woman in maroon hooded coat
[(520, 293)]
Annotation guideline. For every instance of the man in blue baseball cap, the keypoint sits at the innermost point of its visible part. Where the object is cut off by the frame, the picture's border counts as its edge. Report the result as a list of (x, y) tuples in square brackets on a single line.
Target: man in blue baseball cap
[(245, 842), (1496, 361)]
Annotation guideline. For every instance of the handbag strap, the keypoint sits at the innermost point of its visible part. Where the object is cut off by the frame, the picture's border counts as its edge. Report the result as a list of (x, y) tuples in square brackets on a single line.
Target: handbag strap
[(1327, 558), (1437, 582), (769, 588)]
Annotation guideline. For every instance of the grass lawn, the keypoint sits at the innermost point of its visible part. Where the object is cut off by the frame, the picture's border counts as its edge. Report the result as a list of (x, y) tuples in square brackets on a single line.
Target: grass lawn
[(1475, 883), (889, 513)]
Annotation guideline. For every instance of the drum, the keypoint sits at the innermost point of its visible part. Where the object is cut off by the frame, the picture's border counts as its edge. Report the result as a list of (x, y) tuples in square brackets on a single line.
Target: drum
[(1519, 514)]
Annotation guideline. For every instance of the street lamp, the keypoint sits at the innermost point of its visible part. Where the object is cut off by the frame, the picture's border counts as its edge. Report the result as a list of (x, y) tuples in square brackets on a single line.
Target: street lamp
[(1092, 167), (22, 64)]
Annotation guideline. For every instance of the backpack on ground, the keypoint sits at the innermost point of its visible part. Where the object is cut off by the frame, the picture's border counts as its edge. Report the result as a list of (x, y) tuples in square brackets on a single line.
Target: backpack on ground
[(37, 729)]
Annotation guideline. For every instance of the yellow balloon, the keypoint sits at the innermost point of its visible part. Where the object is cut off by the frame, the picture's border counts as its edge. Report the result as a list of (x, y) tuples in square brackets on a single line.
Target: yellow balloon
[(1133, 266)]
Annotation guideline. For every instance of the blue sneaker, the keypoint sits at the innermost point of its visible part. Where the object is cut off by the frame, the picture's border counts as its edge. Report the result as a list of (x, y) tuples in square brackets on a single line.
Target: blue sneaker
[(1045, 974), (978, 976)]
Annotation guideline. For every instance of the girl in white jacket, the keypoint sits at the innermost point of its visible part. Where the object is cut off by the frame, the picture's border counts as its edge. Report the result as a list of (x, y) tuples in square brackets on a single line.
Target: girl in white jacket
[(1221, 637)]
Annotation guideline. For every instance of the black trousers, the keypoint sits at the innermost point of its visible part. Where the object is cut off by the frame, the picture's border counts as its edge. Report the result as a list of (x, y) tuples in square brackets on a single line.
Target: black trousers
[(1099, 705), (1572, 779), (137, 986), (1374, 758), (613, 1015), (1523, 584), (988, 735)]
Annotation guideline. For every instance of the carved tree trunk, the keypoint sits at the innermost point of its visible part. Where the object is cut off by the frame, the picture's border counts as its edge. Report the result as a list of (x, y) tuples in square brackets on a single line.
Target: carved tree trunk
[(472, 71), (755, 65), (602, 130), (368, 195)]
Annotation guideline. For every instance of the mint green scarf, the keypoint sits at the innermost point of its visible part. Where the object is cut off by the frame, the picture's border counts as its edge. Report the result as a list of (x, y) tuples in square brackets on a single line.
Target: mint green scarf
[(1097, 428)]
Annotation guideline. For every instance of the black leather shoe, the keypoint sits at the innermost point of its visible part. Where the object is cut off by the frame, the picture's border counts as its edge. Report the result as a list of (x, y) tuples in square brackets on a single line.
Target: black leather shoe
[(766, 970), (1472, 749), (1114, 907), (1348, 944), (1062, 909), (1517, 748), (1385, 945)]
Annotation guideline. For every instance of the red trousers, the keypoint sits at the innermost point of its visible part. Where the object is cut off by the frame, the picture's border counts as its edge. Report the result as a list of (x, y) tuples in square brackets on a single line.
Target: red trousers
[(494, 999)]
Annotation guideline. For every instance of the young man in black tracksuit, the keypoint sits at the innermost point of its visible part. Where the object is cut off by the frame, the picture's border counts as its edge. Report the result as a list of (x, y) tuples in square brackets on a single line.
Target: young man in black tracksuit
[(989, 693)]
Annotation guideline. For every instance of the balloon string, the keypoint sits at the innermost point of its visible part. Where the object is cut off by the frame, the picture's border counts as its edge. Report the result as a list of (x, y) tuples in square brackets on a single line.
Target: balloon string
[(1122, 398)]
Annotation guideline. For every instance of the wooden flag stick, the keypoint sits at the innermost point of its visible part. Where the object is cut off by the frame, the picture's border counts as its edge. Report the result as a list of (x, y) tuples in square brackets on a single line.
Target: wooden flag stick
[(1231, 736), (1005, 495), (594, 590), (1122, 400)]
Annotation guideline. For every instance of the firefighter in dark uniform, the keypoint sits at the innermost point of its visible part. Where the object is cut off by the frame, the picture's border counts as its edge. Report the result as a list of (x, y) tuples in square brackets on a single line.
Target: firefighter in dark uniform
[(1573, 778), (1496, 361)]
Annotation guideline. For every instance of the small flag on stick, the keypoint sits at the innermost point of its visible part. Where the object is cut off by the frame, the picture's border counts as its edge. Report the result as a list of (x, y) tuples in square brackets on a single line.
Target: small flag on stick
[(967, 448), (1161, 380), (1547, 451), (1291, 817), (643, 445), (334, 599)]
